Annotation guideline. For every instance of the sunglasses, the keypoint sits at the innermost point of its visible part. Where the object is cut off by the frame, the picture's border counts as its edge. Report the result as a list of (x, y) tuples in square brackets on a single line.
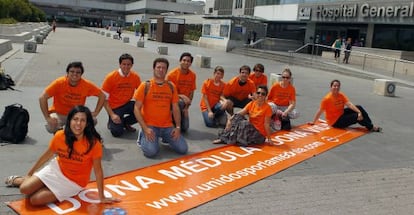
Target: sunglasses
[(261, 93), (285, 77)]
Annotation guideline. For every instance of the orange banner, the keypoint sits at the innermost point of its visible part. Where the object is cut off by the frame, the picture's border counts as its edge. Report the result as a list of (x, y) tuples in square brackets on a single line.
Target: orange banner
[(186, 182)]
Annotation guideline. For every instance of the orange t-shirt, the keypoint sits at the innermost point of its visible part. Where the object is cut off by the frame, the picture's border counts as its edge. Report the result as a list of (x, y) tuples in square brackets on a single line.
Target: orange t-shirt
[(120, 89), (257, 115), (78, 167), (233, 88), (185, 83), (262, 80), (282, 96), (333, 106), (213, 93), (156, 104), (65, 97)]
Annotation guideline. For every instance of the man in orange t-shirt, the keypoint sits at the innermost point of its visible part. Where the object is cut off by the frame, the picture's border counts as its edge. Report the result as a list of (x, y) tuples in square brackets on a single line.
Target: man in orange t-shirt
[(213, 104), (239, 90), (119, 86), (156, 105), (67, 92), (185, 81), (258, 76)]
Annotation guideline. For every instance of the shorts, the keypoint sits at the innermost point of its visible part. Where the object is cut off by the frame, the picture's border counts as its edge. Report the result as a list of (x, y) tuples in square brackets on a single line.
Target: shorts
[(60, 185)]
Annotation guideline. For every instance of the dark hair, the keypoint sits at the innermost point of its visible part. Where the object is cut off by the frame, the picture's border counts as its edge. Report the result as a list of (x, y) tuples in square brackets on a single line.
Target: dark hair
[(335, 80), (219, 68), (76, 64), (89, 132), (245, 67), (126, 57), (186, 54), (263, 87), (258, 66), (160, 60)]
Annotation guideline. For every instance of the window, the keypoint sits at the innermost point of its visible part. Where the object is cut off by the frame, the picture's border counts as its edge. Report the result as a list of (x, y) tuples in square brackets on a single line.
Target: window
[(239, 4), (173, 28)]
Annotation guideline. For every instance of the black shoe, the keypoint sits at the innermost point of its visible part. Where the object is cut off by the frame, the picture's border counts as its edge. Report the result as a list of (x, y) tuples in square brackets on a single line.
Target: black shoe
[(286, 125)]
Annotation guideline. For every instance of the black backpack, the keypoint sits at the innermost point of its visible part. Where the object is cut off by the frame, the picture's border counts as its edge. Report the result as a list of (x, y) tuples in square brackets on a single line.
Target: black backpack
[(6, 82), (14, 124)]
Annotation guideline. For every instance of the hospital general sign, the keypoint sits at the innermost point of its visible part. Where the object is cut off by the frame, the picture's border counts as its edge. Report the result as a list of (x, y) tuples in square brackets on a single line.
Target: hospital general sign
[(358, 12)]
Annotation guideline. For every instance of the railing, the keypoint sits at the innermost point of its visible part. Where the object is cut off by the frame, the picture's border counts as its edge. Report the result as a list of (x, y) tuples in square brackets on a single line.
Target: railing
[(366, 61)]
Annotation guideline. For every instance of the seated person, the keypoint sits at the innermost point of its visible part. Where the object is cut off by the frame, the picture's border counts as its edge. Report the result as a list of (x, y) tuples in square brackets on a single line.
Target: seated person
[(213, 104), (282, 99), (239, 90)]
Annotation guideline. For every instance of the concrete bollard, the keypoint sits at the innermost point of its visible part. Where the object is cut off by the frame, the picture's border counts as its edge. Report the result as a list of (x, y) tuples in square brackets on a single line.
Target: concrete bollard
[(277, 78), (384, 87), (30, 46), (140, 44), (203, 61), (115, 37), (108, 34), (125, 39), (39, 39), (102, 33), (43, 34), (162, 50)]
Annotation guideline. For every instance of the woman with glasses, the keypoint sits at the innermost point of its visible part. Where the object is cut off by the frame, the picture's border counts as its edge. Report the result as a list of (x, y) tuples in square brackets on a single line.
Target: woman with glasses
[(245, 132), (282, 99), (337, 116)]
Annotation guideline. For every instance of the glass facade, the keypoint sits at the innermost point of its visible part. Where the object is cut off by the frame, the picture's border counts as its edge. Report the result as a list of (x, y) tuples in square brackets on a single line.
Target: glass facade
[(394, 37)]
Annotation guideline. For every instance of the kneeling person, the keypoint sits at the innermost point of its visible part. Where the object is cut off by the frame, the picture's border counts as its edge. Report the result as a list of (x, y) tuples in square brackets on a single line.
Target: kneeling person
[(154, 113)]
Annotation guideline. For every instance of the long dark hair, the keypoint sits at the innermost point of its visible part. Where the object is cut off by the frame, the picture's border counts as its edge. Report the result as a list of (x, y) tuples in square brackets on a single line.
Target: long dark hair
[(89, 132)]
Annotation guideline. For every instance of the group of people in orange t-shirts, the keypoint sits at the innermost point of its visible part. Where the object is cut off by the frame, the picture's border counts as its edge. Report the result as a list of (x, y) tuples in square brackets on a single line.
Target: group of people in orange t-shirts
[(161, 107), (266, 108)]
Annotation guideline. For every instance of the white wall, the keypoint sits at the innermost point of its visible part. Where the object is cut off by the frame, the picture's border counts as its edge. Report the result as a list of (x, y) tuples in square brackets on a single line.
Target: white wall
[(286, 12)]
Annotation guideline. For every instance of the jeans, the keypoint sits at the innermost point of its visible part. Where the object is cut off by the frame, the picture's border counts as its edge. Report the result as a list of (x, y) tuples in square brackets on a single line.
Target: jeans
[(218, 112), (126, 113), (152, 148)]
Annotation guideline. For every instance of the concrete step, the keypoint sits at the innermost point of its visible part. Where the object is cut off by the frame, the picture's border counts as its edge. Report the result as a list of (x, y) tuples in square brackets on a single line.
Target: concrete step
[(313, 61)]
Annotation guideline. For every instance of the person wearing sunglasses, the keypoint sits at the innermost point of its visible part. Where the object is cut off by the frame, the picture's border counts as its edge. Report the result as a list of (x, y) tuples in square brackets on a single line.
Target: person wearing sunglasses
[(256, 129), (282, 99), (258, 76), (337, 116)]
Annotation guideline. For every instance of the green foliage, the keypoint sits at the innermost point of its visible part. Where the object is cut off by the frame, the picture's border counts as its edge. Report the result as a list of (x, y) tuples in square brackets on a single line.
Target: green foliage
[(7, 21), (192, 32), (20, 10)]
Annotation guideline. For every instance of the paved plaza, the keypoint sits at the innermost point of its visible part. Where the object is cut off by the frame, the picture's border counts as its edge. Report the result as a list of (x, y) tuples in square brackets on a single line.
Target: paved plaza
[(373, 174)]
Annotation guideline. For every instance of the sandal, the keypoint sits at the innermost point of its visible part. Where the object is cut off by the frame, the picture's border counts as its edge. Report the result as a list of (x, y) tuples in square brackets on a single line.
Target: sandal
[(376, 129), (10, 181)]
